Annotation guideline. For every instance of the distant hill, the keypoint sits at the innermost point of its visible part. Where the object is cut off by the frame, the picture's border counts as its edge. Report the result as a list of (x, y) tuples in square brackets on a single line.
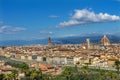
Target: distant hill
[(65, 40), (82, 39)]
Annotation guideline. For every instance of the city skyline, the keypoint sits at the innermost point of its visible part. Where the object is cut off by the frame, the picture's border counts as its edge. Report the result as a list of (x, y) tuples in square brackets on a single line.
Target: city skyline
[(38, 19)]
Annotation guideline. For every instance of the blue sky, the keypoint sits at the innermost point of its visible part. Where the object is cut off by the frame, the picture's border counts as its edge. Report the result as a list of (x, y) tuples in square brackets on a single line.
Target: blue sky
[(37, 19)]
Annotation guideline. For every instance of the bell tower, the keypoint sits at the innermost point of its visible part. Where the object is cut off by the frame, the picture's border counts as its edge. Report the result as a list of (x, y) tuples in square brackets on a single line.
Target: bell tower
[(49, 41), (88, 43)]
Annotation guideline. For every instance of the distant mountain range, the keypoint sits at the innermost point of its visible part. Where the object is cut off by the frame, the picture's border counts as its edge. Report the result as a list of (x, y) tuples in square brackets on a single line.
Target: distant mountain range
[(65, 40)]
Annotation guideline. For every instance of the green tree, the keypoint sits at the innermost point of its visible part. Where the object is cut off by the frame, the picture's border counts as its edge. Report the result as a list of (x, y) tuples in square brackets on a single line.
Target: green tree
[(84, 69), (8, 77), (14, 74), (117, 66), (1, 76), (67, 73), (36, 74), (47, 76), (111, 74), (33, 75)]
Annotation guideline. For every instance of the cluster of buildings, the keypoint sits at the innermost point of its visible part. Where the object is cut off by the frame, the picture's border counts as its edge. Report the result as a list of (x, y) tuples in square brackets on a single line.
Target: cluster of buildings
[(102, 55), (5, 68)]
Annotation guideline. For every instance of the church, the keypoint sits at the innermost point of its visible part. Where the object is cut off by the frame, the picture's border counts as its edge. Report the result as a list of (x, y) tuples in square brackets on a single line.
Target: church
[(105, 41)]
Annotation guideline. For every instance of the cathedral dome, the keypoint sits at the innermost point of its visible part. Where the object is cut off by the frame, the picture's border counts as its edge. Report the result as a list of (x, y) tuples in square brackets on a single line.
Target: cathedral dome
[(105, 41)]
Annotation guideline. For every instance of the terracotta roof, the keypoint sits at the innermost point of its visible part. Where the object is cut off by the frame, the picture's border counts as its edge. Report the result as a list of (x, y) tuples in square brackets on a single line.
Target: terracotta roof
[(105, 40), (46, 67)]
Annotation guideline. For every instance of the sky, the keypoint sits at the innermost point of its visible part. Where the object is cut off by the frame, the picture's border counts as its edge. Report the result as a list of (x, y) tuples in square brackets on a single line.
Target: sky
[(38, 19)]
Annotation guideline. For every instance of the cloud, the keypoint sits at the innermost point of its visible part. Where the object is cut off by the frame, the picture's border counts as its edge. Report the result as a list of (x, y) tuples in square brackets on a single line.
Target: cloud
[(9, 29), (85, 16), (53, 16), (46, 32)]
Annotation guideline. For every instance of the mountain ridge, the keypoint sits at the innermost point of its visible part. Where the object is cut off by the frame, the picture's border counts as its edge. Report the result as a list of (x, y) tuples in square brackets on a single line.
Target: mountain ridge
[(63, 40)]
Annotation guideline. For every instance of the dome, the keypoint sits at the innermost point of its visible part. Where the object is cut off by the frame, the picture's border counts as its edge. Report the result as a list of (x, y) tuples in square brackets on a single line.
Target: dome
[(105, 40)]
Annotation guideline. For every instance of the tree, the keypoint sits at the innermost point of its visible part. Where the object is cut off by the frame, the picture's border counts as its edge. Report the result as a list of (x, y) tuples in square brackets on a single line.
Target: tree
[(1, 76), (111, 74), (117, 66), (8, 77), (68, 73), (84, 69), (33, 75), (15, 74), (36, 74), (47, 76)]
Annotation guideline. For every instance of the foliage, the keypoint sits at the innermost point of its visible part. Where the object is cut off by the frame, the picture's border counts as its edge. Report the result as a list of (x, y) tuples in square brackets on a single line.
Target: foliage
[(14, 74), (1, 76), (37, 75), (117, 66), (18, 64), (85, 73), (69, 73)]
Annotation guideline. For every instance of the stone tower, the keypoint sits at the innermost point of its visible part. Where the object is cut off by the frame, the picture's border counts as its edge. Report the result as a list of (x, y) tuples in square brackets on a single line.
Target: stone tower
[(49, 41), (88, 43)]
